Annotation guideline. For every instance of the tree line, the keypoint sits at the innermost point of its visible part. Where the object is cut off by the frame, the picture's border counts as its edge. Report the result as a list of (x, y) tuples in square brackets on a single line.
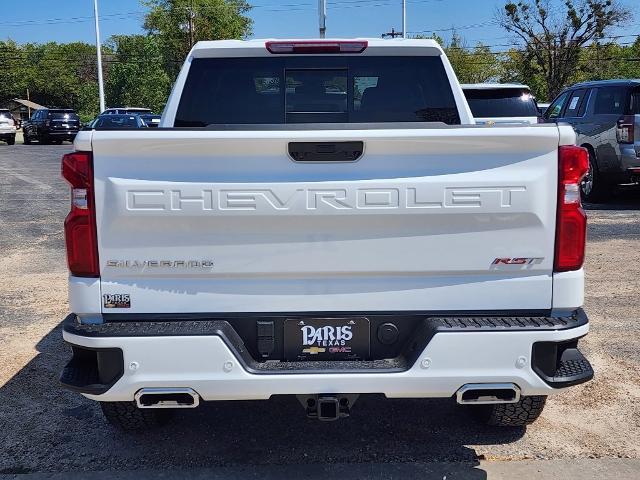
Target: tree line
[(548, 45), (139, 70)]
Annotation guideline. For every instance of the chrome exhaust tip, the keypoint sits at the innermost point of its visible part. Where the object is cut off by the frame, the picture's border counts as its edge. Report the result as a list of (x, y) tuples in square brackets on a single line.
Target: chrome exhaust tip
[(488, 393), (167, 398)]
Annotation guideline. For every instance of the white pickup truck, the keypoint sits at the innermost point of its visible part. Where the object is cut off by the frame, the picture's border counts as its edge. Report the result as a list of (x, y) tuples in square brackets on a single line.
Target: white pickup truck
[(323, 219)]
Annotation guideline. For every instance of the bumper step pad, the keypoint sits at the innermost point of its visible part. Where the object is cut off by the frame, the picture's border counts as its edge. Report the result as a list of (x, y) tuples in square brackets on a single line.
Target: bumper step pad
[(83, 376), (574, 369), (92, 371), (564, 365)]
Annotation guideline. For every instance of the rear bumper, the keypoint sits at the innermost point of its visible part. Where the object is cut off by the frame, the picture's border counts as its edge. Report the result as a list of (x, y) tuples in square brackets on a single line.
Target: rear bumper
[(625, 169), (113, 361), (62, 134)]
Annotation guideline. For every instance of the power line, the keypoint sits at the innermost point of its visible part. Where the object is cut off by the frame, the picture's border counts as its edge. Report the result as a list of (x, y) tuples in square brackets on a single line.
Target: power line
[(475, 50), (54, 21), (286, 7), (453, 29)]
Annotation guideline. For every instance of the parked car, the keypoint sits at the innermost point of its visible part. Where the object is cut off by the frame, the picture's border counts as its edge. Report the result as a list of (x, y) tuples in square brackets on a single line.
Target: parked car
[(279, 242), (152, 120), (117, 122), (127, 110), (606, 117), (7, 127), (501, 103), (51, 125)]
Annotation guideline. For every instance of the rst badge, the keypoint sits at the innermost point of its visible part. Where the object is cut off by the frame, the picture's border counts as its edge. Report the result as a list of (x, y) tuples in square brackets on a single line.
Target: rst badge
[(116, 300), (516, 263)]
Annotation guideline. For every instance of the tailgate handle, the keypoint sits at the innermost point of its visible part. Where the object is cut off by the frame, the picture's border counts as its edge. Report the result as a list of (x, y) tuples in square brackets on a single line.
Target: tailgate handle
[(325, 151)]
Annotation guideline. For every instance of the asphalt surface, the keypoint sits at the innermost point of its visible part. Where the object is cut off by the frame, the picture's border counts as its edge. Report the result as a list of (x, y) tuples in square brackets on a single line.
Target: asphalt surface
[(46, 429)]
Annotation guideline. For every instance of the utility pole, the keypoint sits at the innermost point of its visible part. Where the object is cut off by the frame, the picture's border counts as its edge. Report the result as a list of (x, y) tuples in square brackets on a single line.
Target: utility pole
[(99, 53), (404, 18), (392, 34), (191, 25), (322, 17)]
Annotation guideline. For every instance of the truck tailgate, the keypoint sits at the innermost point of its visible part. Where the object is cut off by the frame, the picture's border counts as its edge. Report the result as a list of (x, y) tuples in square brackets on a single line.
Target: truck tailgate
[(225, 221)]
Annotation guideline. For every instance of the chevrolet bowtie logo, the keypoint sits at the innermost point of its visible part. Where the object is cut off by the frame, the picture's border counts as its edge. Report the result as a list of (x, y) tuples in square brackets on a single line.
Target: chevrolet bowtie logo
[(314, 350)]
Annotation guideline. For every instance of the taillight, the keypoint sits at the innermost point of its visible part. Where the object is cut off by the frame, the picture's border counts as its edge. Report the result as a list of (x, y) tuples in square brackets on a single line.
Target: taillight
[(625, 130), (317, 46), (80, 224), (571, 226)]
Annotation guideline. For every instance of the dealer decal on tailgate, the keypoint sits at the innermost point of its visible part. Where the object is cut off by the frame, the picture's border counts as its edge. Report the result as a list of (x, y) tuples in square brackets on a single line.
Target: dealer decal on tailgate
[(116, 300)]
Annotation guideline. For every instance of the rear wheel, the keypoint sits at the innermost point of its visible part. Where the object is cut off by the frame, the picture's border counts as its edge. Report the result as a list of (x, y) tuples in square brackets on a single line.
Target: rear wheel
[(127, 416), (11, 140), (26, 138), (525, 411), (594, 188)]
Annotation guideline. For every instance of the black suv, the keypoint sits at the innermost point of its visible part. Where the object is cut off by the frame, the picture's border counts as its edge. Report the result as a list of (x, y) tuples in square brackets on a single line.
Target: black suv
[(51, 125), (606, 117)]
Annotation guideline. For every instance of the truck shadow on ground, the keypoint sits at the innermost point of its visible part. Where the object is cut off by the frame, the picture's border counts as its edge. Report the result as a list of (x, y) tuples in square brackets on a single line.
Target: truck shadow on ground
[(49, 429)]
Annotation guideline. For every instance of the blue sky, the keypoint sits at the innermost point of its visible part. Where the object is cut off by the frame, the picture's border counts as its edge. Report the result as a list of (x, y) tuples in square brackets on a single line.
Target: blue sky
[(71, 20)]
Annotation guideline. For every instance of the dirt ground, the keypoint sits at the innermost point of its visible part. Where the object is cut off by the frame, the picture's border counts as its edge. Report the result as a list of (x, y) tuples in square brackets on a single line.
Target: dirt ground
[(46, 429)]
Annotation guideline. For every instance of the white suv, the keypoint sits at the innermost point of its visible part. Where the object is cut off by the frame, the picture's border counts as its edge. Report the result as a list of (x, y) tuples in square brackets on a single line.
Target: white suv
[(7, 127), (127, 111)]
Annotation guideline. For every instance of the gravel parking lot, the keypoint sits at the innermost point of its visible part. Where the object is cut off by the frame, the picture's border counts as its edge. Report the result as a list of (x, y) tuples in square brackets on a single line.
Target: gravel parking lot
[(45, 428)]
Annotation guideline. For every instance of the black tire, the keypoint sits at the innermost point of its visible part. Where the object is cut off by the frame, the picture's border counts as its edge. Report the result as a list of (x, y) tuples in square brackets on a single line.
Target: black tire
[(127, 416), (519, 414), (594, 188), (11, 140), (26, 138)]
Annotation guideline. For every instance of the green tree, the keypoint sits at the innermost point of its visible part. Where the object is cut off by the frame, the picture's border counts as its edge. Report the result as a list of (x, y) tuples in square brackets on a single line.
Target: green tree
[(62, 75), (178, 24), (518, 66), (136, 74), (609, 60), (554, 42), (14, 69), (471, 65)]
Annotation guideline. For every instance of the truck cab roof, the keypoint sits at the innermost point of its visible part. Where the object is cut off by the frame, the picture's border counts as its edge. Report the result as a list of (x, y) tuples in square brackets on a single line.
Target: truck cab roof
[(372, 46), (494, 86)]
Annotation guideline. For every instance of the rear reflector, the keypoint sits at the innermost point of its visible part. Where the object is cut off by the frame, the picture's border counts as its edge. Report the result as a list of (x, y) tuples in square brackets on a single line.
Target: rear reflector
[(80, 224), (571, 226), (316, 47)]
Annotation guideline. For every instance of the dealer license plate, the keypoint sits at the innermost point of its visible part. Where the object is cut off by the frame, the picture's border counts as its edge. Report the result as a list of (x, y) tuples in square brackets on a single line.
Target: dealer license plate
[(326, 339)]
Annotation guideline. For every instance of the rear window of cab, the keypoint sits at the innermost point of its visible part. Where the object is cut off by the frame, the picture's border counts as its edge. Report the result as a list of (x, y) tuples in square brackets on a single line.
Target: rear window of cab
[(316, 89), (501, 102)]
